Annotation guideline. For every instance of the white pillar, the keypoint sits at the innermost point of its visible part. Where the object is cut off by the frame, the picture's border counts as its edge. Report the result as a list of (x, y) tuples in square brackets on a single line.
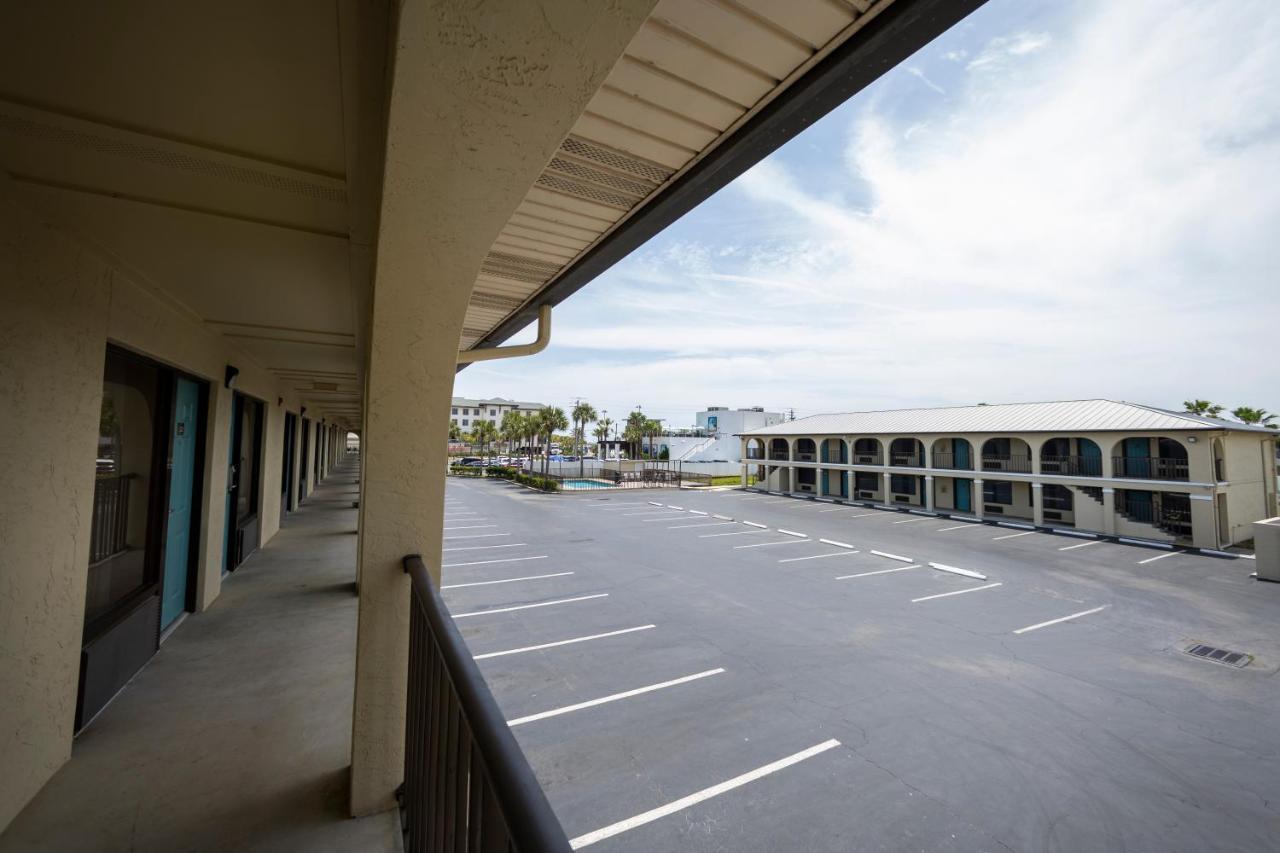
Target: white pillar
[(978, 508), (1109, 511), (928, 492), (1037, 504), (884, 488)]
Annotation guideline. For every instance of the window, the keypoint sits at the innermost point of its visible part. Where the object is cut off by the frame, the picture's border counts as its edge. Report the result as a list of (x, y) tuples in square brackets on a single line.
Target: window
[(465, 422), (475, 411), (493, 412), (454, 421), (903, 484), (865, 481), (997, 492), (455, 410)]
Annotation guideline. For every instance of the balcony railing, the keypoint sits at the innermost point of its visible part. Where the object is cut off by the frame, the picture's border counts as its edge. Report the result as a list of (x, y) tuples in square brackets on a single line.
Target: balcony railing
[(779, 456), (467, 785), (909, 460), (109, 530), (1072, 466), (947, 459), (804, 457), (1019, 464), (1151, 468), (755, 453), (867, 458), (1175, 521)]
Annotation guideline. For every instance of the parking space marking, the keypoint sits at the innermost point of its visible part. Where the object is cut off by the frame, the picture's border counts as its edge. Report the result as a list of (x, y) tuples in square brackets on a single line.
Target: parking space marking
[(484, 547), (756, 524), (786, 532), (673, 506), (529, 606), (703, 524), (943, 567), (1040, 625), (542, 646), (837, 509), (487, 562), (1081, 545), (917, 518), (971, 524), (893, 556), (1158, 557), (957, 592), (696, 512), (469, 527), (722, 517), (823, 556), (505, 580), (664, 518), (1011, 536), (699, 796), (614, 697), (734, 533), (653, 513), (478, 536), (835, 542), (767, 544), (876, 572)]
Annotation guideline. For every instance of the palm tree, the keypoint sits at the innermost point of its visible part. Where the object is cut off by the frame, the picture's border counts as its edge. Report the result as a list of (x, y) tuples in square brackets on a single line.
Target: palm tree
[(485, 432), (550, 419), (602, 433), (1202, 407), (582, 413), (1248, 415), (455, 433), (633, 431), (652, 429), (511, 430)]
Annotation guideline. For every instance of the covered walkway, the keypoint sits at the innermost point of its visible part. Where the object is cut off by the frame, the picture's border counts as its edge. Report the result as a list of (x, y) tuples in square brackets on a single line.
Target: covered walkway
[(237, 735)]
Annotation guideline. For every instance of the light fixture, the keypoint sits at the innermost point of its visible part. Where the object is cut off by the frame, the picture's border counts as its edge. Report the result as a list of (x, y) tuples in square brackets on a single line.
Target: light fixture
[(229, 377), (1191, 439)]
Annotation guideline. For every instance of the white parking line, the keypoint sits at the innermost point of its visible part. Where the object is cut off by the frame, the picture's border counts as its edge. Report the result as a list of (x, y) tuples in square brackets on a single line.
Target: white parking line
[(876, 572), (734, 533), (835, 542), (469, 527), (943, 567), (755, 524), (478, 536), (821, 557), (673, 506), (972, 524), (664, 518), (614, 697), (696, 512), (957, 592), (1158, 557), (767, 544), (505, 580), (699, 796), (722, 517), (864, 515), (484, 547), (1011, 536), (792, 533), (893, 556), (703, 524), (917, 518), (529, 606), (1081, 545), (486, 562), (653, 513), (542, 646), (1040, 625)]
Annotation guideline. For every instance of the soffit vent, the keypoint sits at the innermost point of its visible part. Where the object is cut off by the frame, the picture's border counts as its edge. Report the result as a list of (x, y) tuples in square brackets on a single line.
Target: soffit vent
[(494, 302), (587, 191), (519, 268), (1225, 657), (589, 151)]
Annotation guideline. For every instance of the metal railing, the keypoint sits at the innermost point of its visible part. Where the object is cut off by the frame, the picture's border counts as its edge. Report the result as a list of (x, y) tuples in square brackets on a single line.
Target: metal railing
[(778, 456), (1016, 463), (1072, 466), (1151, 468), (947, 459), (1175, 521), (908, 460), (109, 529), (467, 786), (804, 457), (867, 458)]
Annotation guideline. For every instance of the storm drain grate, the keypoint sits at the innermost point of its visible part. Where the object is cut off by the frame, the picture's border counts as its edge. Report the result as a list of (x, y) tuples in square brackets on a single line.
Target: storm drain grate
[(1222, 656)]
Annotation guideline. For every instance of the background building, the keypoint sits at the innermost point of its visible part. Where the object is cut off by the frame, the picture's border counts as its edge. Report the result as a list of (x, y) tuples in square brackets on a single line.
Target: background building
[(466, 412), (715, 438), (1098, 465)]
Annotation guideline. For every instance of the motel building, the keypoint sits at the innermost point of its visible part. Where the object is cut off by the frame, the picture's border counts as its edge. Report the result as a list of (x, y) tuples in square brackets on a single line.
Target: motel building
[(232, 234), (1095, 465)]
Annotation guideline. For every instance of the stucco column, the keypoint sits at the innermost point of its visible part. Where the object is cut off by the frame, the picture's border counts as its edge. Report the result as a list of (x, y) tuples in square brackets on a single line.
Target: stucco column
[(976, 497), (928, 492), (481, 97), (1109, 510), (884, 488), (1037, 502)]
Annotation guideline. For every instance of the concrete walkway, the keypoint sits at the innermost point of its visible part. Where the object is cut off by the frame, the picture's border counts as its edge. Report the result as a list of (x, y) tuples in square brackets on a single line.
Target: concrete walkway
[(236, 736)]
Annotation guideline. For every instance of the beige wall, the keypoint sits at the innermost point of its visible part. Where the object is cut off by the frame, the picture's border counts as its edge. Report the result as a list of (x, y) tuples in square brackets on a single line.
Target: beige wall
[(63, 302)]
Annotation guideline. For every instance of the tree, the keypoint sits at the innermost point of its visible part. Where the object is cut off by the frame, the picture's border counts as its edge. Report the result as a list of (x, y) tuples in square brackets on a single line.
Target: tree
[(511, 430), (1202, 407), (652, 429), (633, 431), (484, 433), (582, 414), (455, 433), (1247, 415), (602, 434), (550, 419)]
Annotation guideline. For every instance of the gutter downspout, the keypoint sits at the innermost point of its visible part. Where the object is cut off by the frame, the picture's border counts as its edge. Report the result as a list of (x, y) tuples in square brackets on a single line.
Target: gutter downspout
[(519, 350)]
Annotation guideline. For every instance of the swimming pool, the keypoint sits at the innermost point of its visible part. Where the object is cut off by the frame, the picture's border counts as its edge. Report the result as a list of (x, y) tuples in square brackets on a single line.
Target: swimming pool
[(580, 484)]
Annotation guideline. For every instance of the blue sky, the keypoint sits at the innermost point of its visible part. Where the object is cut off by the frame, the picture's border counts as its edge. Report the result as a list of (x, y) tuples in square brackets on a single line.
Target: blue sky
[(1051, 201)]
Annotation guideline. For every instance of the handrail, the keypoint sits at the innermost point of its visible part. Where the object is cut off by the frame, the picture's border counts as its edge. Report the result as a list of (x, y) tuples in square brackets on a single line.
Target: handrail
[(459, 770)]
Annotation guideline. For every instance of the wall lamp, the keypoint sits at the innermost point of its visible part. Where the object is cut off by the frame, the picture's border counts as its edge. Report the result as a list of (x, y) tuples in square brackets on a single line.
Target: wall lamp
[(229, 377)]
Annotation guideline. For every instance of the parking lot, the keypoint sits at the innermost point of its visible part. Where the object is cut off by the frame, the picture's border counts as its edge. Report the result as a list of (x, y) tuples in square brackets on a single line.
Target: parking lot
[(729, 671)]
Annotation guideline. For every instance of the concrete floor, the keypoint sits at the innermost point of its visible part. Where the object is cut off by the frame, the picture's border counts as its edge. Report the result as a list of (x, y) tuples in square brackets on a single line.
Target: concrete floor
[(955, 732), (236, 736)]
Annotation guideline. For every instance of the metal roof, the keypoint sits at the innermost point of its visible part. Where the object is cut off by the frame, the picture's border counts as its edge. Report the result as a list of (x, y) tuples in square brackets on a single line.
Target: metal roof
[(1064, 416)]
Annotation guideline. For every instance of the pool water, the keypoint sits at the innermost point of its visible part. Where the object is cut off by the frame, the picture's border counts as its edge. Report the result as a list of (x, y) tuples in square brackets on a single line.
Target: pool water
[(579, 484)]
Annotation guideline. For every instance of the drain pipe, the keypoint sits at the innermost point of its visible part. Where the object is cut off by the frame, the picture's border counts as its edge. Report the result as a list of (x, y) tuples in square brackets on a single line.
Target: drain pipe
[(519, 350)]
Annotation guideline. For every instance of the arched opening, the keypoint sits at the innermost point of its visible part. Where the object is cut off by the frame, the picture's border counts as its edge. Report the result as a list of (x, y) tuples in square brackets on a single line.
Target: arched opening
[(755, 448), (1073, 457), (806, 450), (866, 451), (834, 450), (953, 453), (1006, 454), (906, 451), (1150, 458), (779, 450)]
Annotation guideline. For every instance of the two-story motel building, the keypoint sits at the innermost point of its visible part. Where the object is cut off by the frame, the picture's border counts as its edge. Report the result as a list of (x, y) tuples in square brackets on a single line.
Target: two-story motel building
[(1096, 465)]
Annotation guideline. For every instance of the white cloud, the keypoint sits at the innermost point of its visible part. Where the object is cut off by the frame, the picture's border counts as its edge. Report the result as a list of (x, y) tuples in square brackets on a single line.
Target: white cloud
[(1096, 219)]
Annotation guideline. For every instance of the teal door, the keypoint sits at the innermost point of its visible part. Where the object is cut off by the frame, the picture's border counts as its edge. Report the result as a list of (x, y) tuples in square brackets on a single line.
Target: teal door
[(1137, 457), (182, 477), (964, 500), (960, 449)]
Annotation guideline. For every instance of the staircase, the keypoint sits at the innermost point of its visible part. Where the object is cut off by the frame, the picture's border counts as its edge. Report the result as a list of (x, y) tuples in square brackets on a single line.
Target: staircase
[(695, 448)]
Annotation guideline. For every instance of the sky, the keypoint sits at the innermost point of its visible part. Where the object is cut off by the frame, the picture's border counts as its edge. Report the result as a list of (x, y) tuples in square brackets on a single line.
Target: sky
[(1051, 201)]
